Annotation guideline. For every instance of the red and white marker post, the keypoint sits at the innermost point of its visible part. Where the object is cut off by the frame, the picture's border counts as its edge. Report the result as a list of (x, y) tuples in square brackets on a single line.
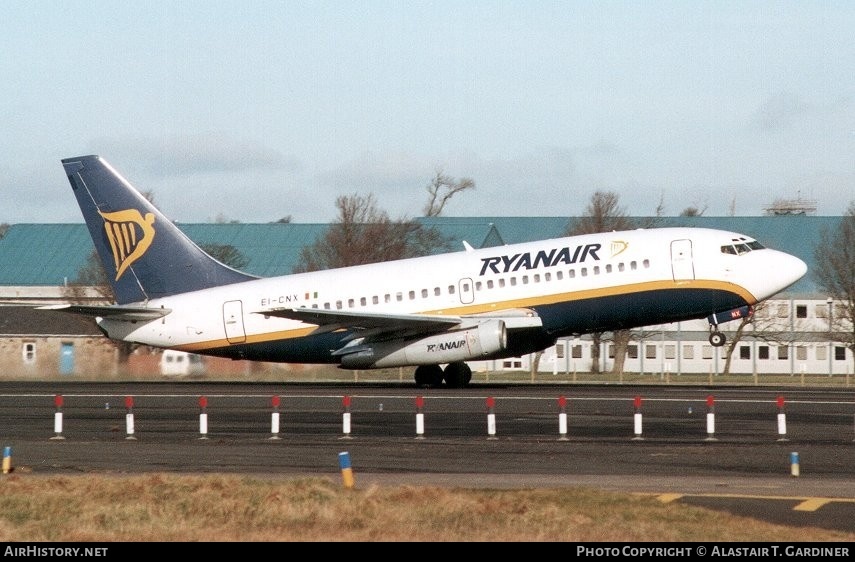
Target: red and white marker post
[(562, 418), (345, 417), (782, 420), (274, 417), (710, 418), (637, 419), (129, 418), (491, 418), (57, 417), (203, 417), (420, 417)]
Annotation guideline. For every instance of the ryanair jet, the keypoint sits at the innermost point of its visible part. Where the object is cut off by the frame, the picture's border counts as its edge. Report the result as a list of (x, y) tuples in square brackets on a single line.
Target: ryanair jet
[(434, 312)]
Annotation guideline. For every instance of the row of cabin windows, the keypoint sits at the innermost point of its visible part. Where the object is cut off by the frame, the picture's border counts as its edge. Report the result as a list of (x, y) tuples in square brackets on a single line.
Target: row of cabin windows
[(501, 283)]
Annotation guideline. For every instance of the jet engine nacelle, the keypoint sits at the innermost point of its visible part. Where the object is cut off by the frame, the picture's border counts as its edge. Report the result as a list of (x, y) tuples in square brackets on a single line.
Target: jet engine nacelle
[(461, 345)]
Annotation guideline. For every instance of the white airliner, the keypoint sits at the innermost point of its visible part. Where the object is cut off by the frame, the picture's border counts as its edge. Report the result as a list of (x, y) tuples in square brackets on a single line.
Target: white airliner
[(426, 312)]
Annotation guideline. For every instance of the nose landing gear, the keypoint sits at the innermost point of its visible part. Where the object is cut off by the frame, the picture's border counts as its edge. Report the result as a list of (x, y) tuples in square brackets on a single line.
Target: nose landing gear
[(717, 339)]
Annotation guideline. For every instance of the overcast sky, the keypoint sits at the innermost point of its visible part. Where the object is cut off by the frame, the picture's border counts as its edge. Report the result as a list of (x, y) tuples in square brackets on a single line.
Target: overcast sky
[(256, 110)]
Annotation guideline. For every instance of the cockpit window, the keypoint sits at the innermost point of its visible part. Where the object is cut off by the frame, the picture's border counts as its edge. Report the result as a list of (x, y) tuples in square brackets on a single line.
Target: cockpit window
[(740, 247)]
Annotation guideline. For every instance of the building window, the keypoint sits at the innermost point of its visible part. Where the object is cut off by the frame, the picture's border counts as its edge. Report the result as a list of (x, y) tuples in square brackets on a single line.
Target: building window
[(801, 311), (745, 352), (801, 353), (821, 354), (763, 352), (688, 352), (839, 353), (783, 311), (650, 352), (29, 353), (577, 352), (559, 351), (706, 352), (632, 351), (670, 351), (611, 351), (783, 352), (512, 364)]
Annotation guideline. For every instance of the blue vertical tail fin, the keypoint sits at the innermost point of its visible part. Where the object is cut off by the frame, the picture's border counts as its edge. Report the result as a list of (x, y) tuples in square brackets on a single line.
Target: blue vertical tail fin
[(144, 254)]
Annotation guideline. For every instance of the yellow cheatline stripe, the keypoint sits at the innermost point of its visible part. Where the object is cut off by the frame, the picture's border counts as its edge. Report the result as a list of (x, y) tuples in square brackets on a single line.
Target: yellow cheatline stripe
[(541, 300)]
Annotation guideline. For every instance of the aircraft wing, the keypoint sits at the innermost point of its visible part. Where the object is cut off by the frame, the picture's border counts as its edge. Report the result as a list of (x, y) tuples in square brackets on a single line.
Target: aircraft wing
[(378, 326), (368, 323), (116, 312)]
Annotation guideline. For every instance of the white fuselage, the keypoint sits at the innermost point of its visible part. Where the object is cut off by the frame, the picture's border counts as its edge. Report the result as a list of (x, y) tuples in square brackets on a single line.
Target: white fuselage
[(572, 284)]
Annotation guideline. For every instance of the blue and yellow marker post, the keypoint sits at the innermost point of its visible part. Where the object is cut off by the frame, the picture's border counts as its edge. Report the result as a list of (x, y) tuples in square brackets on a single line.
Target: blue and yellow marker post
[(346, 470), (7, 460)]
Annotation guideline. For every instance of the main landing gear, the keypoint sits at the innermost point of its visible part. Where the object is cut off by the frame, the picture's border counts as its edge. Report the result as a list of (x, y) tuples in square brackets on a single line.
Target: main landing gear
[(455, 375)]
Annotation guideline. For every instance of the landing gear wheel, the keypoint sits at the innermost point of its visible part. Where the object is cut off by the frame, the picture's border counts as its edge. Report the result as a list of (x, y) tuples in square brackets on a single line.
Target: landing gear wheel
[(457, 375), (428, 375), (717, 339)]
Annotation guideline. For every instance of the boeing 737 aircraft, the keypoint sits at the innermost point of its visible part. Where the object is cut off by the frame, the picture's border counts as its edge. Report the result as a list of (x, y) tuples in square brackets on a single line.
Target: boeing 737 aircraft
[(427, 312)]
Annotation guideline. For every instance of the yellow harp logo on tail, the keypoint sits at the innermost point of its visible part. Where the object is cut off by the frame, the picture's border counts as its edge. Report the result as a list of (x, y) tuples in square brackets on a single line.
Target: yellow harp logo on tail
[(130, 235)]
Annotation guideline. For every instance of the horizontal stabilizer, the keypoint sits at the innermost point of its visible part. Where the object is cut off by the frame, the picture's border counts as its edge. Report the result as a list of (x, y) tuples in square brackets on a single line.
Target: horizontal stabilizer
[(116, 312)]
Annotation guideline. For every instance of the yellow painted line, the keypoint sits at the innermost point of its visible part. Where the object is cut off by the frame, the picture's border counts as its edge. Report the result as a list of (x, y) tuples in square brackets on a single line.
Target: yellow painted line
[(812, 504), (805, 503)]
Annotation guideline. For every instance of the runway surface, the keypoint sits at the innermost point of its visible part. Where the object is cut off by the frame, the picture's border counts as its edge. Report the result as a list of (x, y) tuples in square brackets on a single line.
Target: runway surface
[(784, 456)]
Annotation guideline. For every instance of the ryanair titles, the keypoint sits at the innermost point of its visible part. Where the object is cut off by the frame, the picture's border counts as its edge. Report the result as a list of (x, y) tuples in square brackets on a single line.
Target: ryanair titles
[(543, 258)]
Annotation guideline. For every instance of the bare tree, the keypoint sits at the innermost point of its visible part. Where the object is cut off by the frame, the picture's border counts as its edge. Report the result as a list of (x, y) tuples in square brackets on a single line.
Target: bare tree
[(441, 189), (227, 254), (693, 211), (363, 233), (834, 272), (604, 214)]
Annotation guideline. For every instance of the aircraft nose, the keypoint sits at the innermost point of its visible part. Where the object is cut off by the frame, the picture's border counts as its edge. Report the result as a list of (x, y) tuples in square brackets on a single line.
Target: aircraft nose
[(789, 269)]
